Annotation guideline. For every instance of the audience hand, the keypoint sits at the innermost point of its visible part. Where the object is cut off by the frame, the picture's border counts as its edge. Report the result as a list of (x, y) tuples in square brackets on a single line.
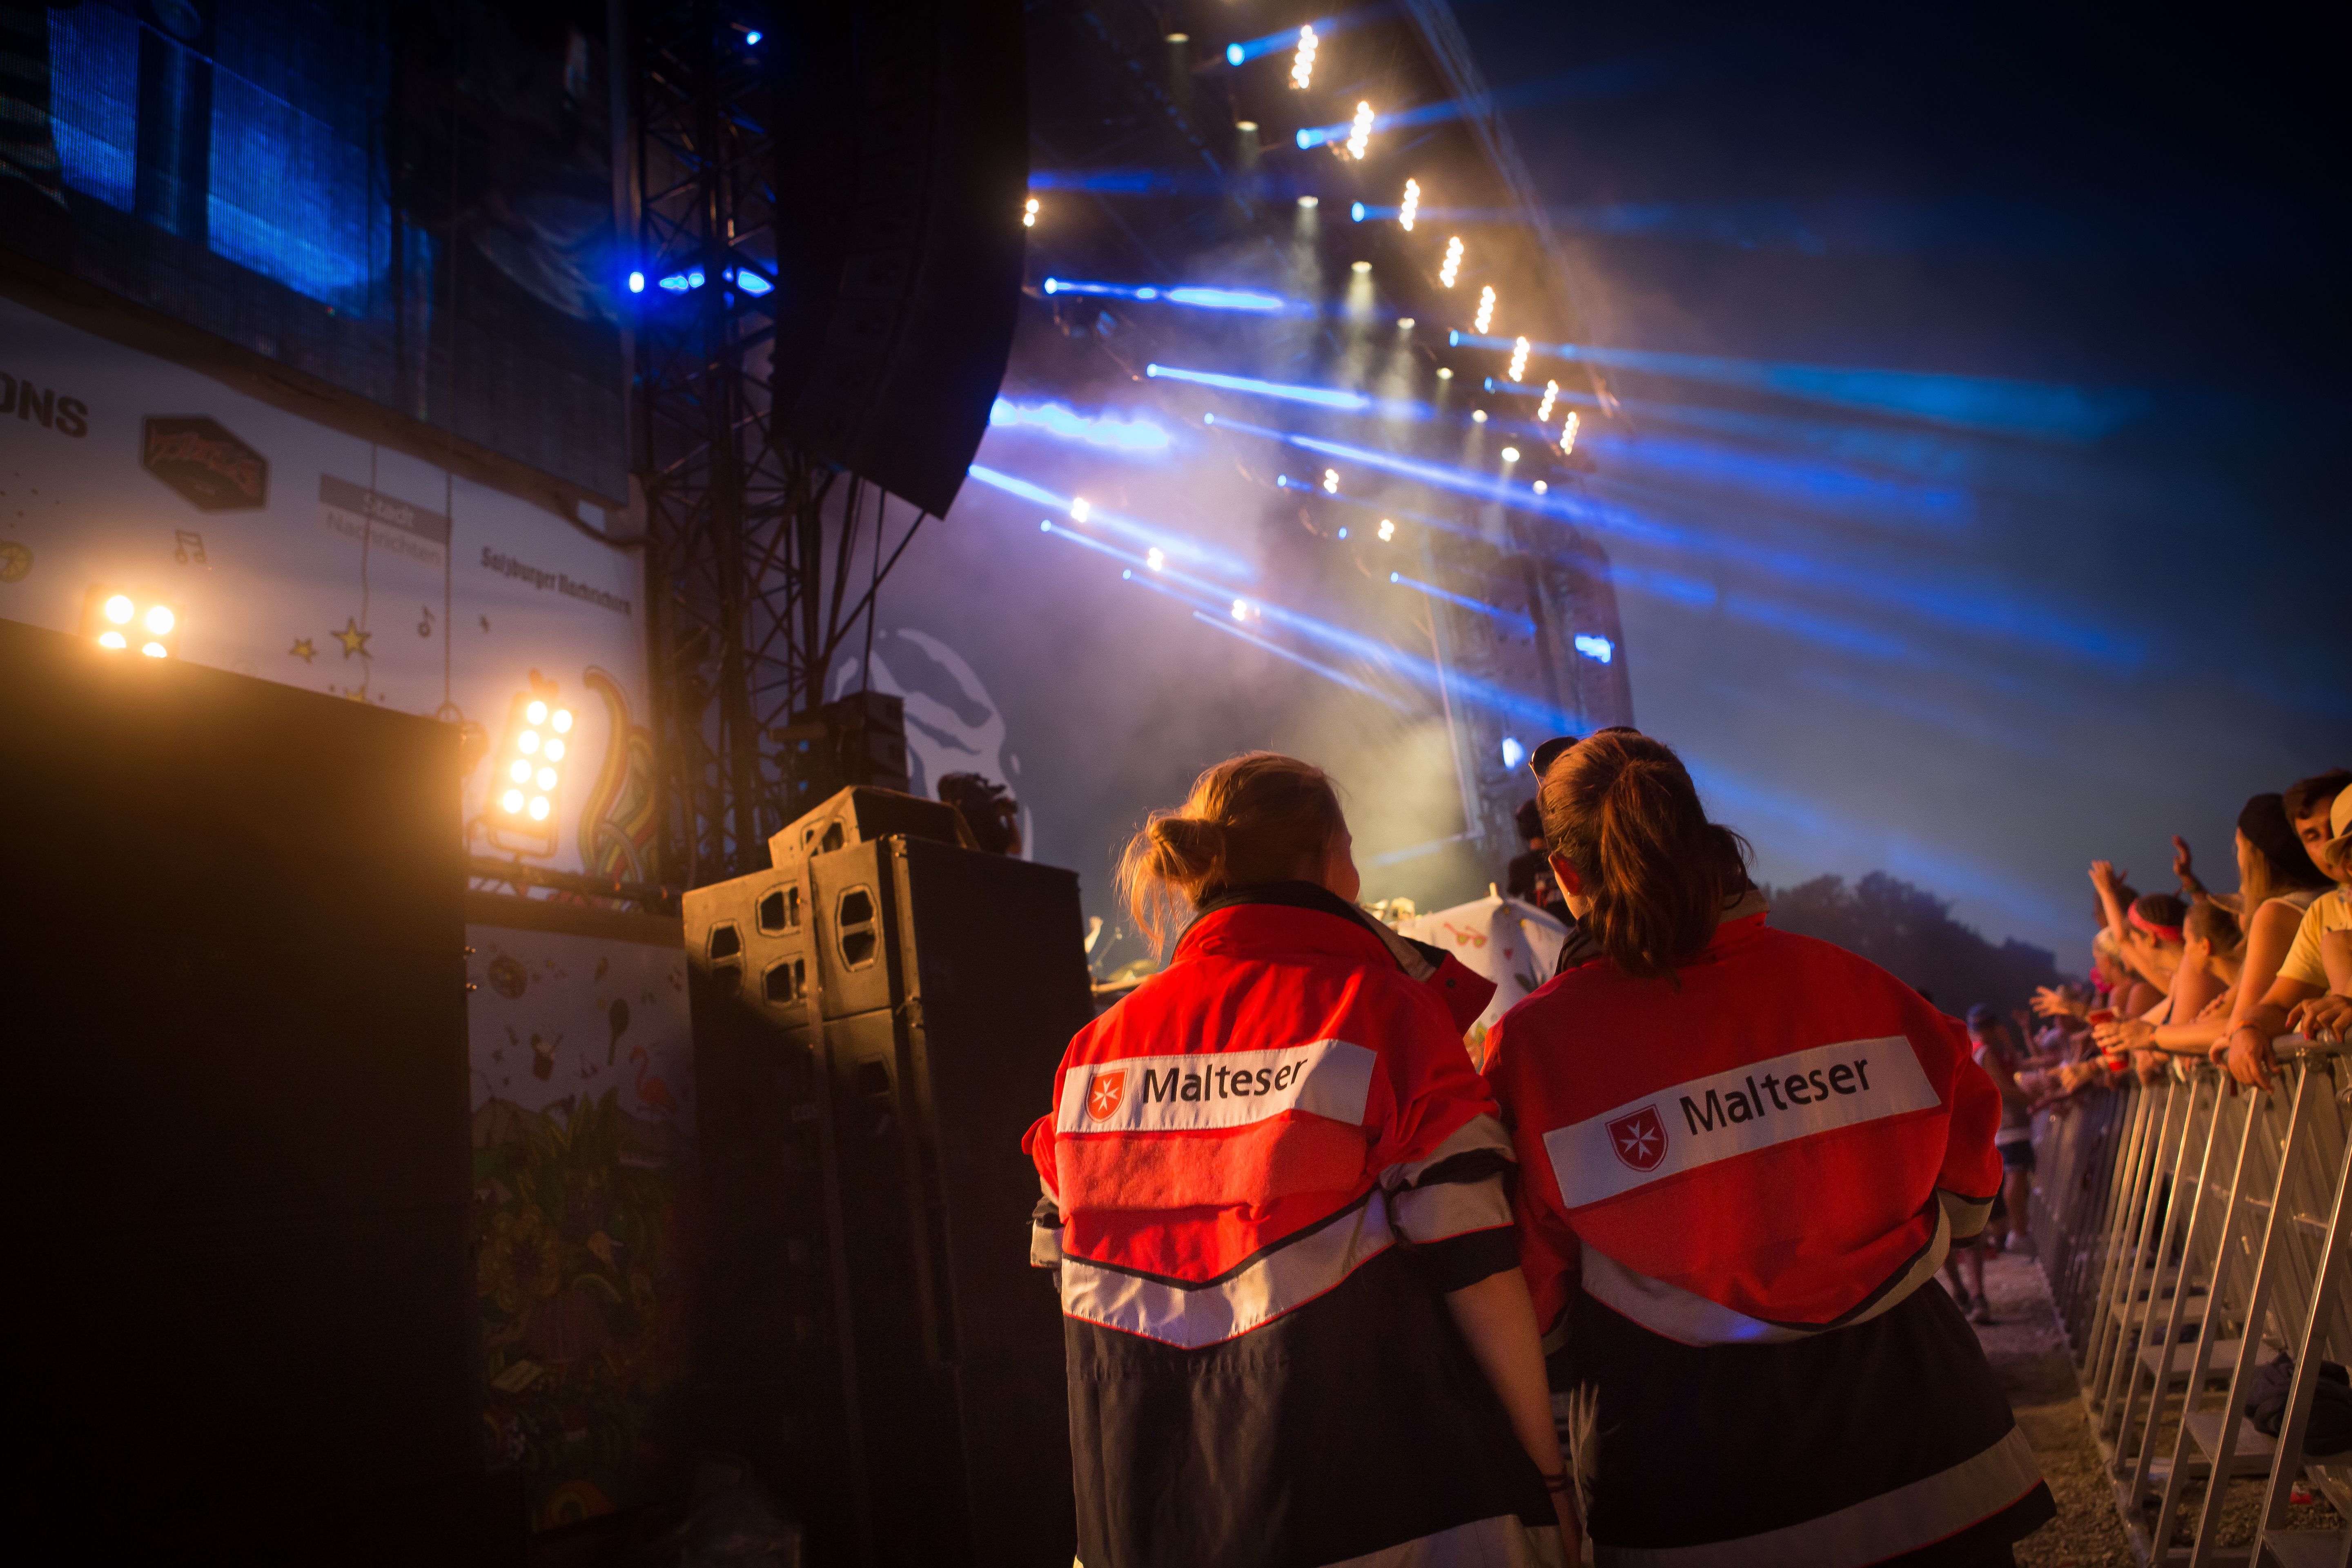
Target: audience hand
[(2051, 1001), (2321, 1018), (2125, 1035), (2247, 1055)]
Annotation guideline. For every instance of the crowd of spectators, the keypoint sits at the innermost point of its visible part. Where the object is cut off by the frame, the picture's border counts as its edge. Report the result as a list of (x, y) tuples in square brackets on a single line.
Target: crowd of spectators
[(2199, 974)]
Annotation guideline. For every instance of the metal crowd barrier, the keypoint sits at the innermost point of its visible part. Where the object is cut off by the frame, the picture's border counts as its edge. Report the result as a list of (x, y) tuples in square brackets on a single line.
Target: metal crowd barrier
[(2192, 1233)]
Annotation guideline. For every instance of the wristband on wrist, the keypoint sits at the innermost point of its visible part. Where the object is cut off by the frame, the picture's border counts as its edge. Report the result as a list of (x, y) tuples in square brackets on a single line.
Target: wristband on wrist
[(1558, 1484)]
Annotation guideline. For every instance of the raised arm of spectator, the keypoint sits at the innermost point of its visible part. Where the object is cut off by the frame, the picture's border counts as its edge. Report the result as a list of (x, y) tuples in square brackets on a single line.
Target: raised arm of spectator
[(2109, 883), (2185, 870)]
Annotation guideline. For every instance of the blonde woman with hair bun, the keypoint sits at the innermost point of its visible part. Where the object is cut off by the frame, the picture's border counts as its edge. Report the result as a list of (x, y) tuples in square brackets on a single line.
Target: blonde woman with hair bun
[(1296, 1329)]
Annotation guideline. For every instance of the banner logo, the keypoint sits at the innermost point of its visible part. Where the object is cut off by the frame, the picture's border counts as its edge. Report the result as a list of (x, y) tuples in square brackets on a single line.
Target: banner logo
[(212, 469), (1102, 1101), (1639, 1140)]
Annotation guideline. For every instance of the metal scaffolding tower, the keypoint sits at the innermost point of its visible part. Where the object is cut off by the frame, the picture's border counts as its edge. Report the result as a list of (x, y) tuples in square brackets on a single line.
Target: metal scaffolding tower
[(748, 542)]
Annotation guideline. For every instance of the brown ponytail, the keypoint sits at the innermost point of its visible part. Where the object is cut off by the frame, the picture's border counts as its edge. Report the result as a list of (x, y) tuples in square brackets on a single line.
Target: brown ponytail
[(1258, 817), (1623, 811)]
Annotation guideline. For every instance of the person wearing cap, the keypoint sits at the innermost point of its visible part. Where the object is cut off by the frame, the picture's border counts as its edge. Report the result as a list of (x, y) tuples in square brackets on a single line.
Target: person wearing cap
[(2302, 972)]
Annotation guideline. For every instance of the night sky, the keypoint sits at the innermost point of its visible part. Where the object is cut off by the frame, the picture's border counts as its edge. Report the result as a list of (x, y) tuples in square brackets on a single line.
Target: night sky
[(2076, 580)]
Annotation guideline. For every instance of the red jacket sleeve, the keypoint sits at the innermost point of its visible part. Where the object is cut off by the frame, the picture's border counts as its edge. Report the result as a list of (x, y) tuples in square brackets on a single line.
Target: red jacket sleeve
[(1548, 1249), (1970, 1174)]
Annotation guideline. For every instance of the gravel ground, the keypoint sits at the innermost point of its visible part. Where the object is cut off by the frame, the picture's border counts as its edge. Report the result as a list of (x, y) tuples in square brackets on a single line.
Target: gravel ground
[(2030, 1357)]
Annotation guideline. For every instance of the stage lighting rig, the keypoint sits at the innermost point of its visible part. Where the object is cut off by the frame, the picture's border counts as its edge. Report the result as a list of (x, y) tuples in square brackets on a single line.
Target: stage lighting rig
[(1330, 481), (1551, 392), (528, 780), (1451, 267), (122, 619), (1568, 436), (1388, 531), (1029, 214), (1410, 208), (1359, 136), (1486, 310), (1302, 64), (1510, 454), (1520, 360)]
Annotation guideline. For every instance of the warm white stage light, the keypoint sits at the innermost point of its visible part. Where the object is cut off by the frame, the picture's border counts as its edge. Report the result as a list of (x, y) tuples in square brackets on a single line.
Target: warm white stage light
[(555, 750), (112, 639), (1543, 409), (1029, 214), (527, 742), (1451, 267), (1079, 509), (563, 721), (1541, 486), (1444, 372), (1410, 208), (1307, 202), (153, 649), (1359, 136), (511, 800), (1568, 436), (1360, 267), (1477, 416), (1302, 63), (1510, 454), (1520, 359), (160, 620), (520, 772), (1405, 323), (546, 778), (1155, 558), (539, 808), (536, 714), (118, 609), (1485, 311), (1330, 481), (1388, 531)]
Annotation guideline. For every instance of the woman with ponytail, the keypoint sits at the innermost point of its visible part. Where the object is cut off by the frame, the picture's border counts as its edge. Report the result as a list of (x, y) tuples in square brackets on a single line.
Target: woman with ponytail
[(1295, 1326), (1743, 1156)]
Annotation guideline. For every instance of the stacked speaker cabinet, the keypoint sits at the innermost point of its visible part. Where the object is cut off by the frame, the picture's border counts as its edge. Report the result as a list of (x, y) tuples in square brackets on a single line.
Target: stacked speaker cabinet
[(875, 1340)]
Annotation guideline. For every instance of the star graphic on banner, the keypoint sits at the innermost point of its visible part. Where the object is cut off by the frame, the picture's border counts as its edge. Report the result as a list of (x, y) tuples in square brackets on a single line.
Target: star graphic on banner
[(355, 640), (1636, 1141), (304, 650)]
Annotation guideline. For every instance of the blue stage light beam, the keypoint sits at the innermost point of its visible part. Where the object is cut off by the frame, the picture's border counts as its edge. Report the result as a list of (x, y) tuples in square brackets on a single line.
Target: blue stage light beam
[(1336, 676), (1320, 396), (1248, 49), (1401, 119), (1176, 545), (1964, 402), (1511, 618), (1135, 437), (1203, 299)]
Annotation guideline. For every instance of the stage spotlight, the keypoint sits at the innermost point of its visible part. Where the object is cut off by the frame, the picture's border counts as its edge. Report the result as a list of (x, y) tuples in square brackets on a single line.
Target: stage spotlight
[(1240, 609), (1359, 136), (1444, 372), (1387, 530), (1568, 436), (1343, 531), (112, 616), (1520, 360), (1551, 392), (1356, 215), (523, 819), (1405, 323), (1486, 310), (1330, 481), (754, 37), (1396, 576), (1451, 267), (1307, 202), (1155, 558), (1326, 397), (1029, 214), (1477, 416), (1596, 647), (637, 282), (1410, 208), (1302, 64), (1079, 509), (1234, 54), (1540, 487), (1513, 753), (1510, 454)]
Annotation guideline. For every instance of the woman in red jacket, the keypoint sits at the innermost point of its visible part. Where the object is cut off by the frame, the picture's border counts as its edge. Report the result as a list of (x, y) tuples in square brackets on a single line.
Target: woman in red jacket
[(1295, 1330), (1744, 1154)]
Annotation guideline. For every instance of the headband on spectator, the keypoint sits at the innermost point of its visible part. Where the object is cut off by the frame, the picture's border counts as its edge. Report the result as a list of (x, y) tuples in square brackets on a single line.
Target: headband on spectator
[(2161, 933)]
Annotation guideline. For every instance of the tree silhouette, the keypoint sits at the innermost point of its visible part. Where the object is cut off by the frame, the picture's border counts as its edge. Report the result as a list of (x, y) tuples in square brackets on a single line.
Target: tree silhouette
[(1910, 932)]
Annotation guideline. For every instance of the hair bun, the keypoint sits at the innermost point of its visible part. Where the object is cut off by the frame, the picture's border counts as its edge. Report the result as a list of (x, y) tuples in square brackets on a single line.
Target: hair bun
[(1190, 848)]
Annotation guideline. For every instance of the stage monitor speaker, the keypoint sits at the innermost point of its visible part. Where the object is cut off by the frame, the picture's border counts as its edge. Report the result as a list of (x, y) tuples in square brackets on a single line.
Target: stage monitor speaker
[(855, 815), (884, 1352), (234, 983), (902, 167)]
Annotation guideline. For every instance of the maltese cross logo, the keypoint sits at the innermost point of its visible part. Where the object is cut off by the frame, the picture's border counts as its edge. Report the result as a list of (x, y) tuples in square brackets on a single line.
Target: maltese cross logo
[(1102, 1095), (1639, 1139)]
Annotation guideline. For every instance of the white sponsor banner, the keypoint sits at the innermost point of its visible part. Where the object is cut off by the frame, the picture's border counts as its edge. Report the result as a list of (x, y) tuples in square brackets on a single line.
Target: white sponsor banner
[(1717, 1117), (1231, 1089)]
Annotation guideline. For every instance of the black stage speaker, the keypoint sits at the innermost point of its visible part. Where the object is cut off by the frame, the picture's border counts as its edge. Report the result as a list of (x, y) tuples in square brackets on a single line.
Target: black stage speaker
[(902, 167), (856, 741), (236, 1035), (875, 1339)]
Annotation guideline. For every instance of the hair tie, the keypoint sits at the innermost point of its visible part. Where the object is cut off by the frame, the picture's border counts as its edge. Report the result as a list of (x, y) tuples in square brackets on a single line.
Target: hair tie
[(2161, 933)]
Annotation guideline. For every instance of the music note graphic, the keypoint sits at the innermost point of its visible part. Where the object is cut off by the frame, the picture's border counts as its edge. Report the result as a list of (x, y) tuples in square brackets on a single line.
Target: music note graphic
[(188, 545), (424, 627)]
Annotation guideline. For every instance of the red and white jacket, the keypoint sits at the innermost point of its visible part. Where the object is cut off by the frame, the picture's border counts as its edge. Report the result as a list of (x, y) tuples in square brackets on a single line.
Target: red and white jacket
[(1291, 1060), (1784, 1140)]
